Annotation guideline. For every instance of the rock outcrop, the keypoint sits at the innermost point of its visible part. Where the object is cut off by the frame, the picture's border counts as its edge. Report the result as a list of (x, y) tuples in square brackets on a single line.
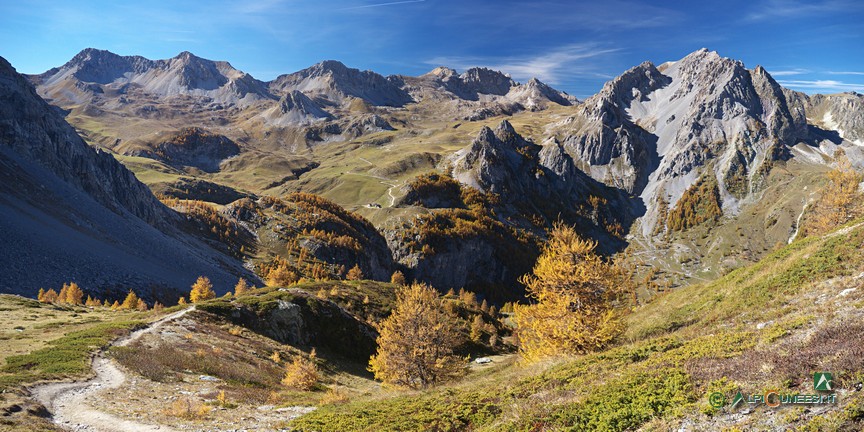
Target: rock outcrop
[(194, 147)]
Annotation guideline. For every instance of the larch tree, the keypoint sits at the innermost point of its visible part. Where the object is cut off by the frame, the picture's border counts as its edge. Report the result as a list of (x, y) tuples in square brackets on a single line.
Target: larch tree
[(416, 342), (282, 276), (241, 288), (130, 302), (74, 294), (575, 294), (355, 273), (397, 278), (302, 373), (840, 201), (477, 327), (202, 290), (50, 296)]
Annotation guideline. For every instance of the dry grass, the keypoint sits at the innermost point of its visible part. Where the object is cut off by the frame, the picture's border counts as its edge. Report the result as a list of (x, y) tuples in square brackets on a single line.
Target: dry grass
[(187, 409)]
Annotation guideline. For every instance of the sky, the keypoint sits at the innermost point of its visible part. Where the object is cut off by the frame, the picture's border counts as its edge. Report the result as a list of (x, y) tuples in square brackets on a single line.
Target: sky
[(576, 46)]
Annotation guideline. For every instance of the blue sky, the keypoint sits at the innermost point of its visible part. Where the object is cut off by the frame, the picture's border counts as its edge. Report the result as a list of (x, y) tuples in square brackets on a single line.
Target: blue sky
[(813, 46)]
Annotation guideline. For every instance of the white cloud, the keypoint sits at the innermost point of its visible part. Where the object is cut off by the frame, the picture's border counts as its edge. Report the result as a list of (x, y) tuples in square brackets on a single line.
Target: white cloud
[(823, 86), (392, 3), (846, 73), (772, 9), (551, 67), (789, 72)]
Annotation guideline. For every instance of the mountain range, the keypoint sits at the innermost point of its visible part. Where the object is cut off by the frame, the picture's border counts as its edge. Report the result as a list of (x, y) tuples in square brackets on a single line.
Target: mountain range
[(680, 163)]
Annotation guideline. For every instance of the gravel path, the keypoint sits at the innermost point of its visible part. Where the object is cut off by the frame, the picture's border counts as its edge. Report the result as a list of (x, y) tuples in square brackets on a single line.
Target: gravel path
[(67, 402)]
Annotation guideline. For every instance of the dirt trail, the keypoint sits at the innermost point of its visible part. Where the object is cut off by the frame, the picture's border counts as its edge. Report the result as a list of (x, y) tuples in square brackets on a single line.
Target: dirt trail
[(68, 401)]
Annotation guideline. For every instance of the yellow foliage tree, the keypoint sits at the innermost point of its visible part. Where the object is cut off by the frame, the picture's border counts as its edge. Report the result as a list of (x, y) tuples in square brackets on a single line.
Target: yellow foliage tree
[(61, 296), (355, 273), (182, 301), (477, 327), (202, 290), (575, 294), (91, 302), (131, 301), (841, 199), (241, 288), (282, 276), (398, 278), (41, 295), (302, 373), (71, 293), (416, 342)]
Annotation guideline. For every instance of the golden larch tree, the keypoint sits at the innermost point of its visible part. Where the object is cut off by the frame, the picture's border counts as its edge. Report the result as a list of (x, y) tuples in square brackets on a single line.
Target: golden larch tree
[(282, 276), (302, 373), (416, 342), (355, 273), (241, 288), (575, 294), (73, 294), (841, 199), (130, 302), (397, 278), (202, 290)]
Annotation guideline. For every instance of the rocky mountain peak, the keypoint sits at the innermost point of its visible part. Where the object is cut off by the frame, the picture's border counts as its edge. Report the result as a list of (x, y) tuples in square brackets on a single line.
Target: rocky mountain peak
[(195, 72), (187, 56), (658, 131), (504, 128), (535, 95), (335, 82), (487, 81), (93, 71), (330, 66), (442, 72)]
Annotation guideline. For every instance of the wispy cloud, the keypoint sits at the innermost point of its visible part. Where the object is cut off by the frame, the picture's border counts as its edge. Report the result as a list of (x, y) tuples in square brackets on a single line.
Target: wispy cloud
[(381, 4), (826, 86), (844, 73), (789, 72), (551, 67), (797, 9)]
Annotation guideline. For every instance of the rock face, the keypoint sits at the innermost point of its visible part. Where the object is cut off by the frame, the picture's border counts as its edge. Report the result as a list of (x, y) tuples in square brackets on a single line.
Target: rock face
[(535, 95), (301, 320), (296, 108), (75, 214), (340, 238), (486, 240), (653, 131), (98, 71), (37, 132), (332, 81), (193, 147), (843, 113), (528, 176)]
